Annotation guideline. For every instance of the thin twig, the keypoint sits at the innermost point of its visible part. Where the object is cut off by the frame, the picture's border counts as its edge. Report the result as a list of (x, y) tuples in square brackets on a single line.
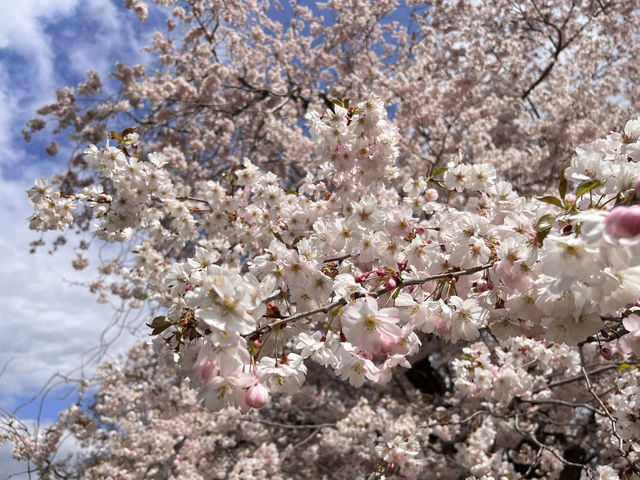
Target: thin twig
[(338, 303), (564, 403)]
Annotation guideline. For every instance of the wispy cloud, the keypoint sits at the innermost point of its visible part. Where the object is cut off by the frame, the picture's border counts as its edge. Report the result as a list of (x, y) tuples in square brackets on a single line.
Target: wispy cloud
[(48, 44), (47, 324)]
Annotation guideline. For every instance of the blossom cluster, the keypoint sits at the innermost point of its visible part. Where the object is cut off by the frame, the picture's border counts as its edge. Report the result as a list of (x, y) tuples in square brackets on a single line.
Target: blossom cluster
[(362, 253), (357, 265), (396, 244)]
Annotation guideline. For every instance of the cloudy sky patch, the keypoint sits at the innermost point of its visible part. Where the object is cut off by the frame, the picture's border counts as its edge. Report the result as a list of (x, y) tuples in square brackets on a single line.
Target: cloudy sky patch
[(49, 325)]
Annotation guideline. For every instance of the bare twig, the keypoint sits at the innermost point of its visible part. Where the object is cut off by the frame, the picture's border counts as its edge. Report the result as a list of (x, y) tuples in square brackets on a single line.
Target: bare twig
[(554, 401)]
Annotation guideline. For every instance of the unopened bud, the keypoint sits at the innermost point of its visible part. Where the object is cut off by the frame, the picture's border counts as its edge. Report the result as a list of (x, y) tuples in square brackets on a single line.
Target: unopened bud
[(605, 353), (381, 272), (623, 222), (419, 230), (390, 284), (361, 277), (257, 396), (482, 285), (272, 310)]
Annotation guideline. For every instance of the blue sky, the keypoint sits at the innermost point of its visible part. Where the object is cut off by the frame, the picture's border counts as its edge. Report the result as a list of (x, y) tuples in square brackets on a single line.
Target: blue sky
[(47, 325)]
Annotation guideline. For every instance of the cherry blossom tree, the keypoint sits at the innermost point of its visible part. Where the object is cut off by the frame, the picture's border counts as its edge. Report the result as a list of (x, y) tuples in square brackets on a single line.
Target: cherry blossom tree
[(312, 206)]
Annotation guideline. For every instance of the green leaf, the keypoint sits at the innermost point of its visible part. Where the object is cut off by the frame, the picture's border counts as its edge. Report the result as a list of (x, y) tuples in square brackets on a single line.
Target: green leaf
[(586, 186), (337, 102), (291, 192), (562, 187), (437, 183), (543, 226), (159, 325), (552, 200), (157, 321), (396, 292), (437, 171), (278, 237), (115, 135), (297, 239)]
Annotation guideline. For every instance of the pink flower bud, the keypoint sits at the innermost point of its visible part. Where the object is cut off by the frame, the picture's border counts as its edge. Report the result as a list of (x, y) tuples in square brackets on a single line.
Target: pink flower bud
[(419, 230), (205, 369), (482, 285), (605, 353), (390, 284), (431, 195), (257, 396), (361, 277), (381, 272), (623, 222), (402, 266)]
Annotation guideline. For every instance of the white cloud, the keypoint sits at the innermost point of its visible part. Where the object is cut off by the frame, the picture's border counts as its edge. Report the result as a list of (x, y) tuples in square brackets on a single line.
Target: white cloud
[(47, 324), (48, 44)]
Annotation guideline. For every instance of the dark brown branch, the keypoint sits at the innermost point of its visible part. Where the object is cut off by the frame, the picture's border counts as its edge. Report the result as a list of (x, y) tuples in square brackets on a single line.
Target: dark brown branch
[(341, 302)]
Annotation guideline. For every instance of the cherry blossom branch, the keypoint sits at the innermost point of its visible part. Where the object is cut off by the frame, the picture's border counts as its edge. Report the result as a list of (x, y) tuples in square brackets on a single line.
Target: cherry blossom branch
[(338, 303), (542, 446), (555, 401), (182, 199), (577, 378), (336, 259), (614, 423), (449, 275), (284, 425)]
